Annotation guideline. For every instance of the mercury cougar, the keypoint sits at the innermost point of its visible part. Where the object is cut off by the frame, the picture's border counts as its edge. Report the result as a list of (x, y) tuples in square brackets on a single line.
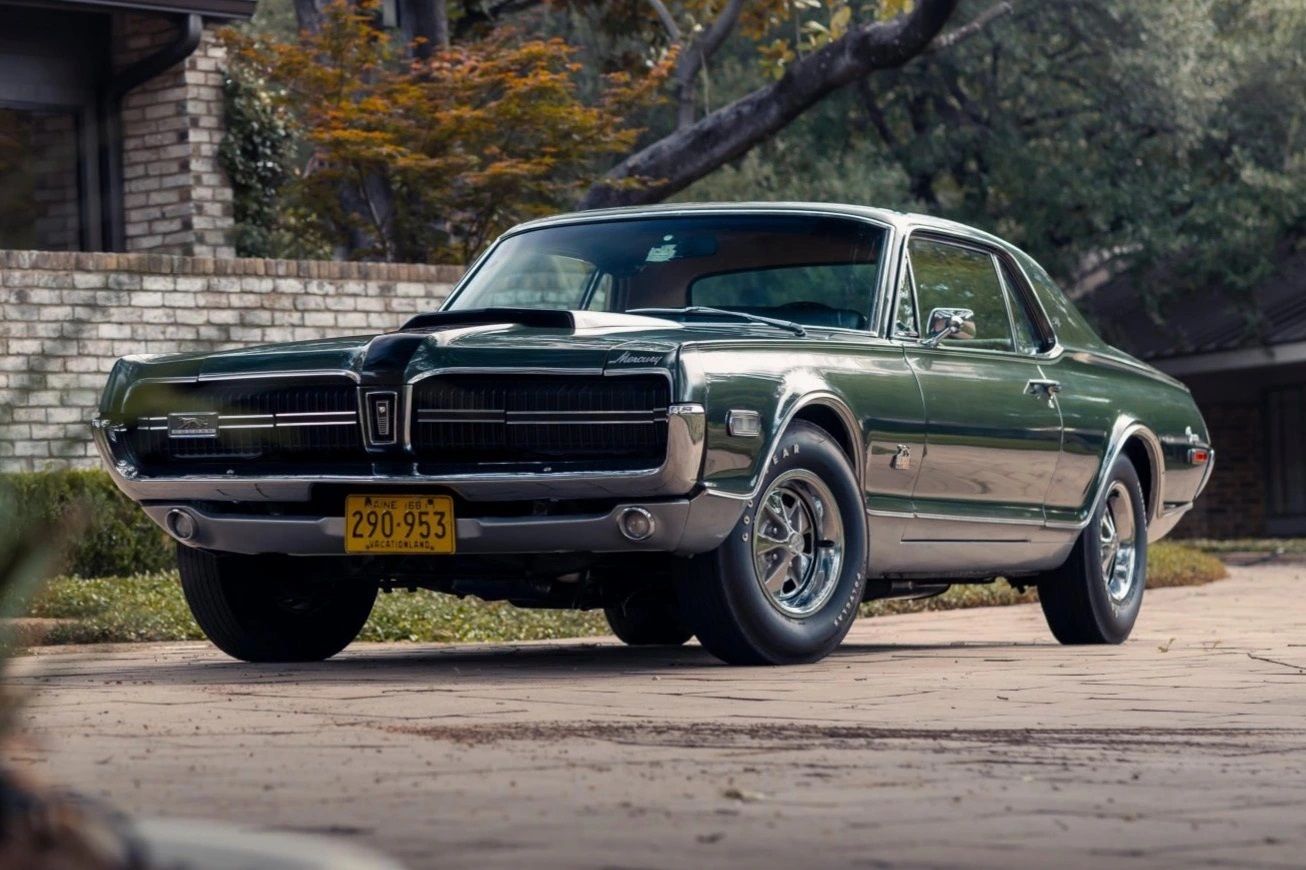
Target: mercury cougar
[(730, 422)]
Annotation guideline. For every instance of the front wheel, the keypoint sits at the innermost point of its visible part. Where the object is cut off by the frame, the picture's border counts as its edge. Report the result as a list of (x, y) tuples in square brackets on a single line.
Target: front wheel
[(784, 586), (1094, 598), (253, 607)]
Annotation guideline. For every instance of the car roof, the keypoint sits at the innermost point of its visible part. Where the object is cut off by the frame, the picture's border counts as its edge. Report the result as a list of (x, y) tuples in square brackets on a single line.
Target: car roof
[(900, 220)]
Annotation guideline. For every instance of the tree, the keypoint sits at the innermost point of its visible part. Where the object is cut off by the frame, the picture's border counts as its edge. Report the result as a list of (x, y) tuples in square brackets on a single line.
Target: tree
[(690, 152), (428, 159), (1103, 136), (850, 48)]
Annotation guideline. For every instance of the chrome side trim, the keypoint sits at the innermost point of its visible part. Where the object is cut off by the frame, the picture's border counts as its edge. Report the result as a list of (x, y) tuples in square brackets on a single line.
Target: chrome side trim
[(961, 518), (1127, 429)]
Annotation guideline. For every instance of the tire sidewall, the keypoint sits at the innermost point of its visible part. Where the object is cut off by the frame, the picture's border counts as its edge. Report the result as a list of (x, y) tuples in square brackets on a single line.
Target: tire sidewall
[(1116, 619), (784, 638)]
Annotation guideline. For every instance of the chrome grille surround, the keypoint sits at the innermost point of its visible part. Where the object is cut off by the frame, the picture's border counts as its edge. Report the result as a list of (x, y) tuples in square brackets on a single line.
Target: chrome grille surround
[(314, 421), (493, 417)]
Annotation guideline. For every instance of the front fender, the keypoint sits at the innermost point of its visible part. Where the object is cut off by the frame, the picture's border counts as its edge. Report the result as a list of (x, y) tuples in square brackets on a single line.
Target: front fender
[(735, 465)]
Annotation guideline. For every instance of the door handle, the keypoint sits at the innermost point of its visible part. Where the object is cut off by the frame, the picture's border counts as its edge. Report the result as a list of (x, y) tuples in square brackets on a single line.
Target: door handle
[(1039, 387)]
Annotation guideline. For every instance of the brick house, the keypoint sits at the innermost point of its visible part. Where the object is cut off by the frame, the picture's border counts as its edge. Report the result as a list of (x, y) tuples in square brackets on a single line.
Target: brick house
[(1246, 366), (110, 119), (116, 219)]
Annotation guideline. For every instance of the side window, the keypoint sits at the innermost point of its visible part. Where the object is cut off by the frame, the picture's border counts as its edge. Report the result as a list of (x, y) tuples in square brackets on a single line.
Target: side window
[(1028, 339), (952, 276)]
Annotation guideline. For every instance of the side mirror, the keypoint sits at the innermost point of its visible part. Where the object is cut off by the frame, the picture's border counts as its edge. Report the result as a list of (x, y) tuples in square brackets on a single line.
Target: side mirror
[(945, 323)]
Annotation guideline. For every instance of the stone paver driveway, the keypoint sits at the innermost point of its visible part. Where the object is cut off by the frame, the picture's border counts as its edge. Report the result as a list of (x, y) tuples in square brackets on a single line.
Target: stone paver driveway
[(960, 738)]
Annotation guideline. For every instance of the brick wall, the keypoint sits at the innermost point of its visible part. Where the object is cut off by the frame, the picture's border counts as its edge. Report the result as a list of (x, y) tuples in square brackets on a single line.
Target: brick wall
[(1233, 503), (68, 316), (176, 198)]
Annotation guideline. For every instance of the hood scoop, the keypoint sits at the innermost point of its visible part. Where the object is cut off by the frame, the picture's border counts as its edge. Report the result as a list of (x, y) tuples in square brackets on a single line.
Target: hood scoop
[(542, 318)]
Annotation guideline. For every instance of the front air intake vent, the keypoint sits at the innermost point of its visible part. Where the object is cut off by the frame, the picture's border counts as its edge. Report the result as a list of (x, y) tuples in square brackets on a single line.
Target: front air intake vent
[(558, 421)]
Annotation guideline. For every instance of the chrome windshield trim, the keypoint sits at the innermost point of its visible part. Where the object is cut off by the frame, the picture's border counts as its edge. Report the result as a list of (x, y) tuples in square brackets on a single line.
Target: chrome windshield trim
[(882, 220)]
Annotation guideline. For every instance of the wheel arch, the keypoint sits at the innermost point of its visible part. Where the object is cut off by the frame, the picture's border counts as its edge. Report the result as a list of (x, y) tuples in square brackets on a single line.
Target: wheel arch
[(834, 417), (1143, 448)]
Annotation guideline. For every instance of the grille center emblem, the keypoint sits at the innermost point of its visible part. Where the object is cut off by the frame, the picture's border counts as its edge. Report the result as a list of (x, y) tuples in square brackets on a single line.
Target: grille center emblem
[(382, 408), (200, 425)]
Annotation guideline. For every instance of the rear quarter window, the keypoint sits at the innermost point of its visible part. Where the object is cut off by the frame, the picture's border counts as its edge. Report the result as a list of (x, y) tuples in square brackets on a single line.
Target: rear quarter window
[(1071, 327)]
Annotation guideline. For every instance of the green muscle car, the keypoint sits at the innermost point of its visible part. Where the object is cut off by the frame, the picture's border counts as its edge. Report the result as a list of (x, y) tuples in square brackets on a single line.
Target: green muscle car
[(735, 422)]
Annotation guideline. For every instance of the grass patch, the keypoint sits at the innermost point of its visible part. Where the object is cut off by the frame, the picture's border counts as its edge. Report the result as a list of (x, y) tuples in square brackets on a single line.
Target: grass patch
[(1249, 545), (150, 607), (1174, 564), (1168, 564)]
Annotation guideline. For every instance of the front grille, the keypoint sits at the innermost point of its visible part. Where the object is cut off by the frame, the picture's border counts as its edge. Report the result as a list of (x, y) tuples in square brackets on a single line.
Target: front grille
[(562, 420), (314, 420)]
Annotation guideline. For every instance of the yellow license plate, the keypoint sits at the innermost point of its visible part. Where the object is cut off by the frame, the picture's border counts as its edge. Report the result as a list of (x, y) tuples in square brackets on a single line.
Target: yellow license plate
[(399, 524)]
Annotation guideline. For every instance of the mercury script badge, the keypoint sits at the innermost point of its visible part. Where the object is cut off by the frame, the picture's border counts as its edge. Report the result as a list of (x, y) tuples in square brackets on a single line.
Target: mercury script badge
[(636, 359), (202, 425)]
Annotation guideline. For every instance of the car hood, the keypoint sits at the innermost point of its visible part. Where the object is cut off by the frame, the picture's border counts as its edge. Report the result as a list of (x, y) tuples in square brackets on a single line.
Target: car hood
[(596, 341)]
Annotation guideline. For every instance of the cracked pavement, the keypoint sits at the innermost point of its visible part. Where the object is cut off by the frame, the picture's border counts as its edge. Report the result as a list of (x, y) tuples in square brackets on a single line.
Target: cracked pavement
[(961, 738)]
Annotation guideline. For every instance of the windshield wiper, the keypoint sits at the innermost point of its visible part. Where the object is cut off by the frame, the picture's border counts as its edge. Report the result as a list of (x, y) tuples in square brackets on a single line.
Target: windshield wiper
[(787, 325)]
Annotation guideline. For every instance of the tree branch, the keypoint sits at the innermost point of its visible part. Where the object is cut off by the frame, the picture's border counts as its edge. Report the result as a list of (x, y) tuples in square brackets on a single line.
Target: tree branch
[(668, 21), (695, 56), (966, 31), (677, 160)]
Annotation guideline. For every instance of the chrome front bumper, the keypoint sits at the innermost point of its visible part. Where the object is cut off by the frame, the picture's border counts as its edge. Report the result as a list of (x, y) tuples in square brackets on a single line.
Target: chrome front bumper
[(677, 476), (683, 526)]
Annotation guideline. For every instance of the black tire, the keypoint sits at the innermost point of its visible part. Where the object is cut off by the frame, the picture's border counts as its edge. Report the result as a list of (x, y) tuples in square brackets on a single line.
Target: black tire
[(725, 603), (648, 618), (256, 609), (1081, 604)]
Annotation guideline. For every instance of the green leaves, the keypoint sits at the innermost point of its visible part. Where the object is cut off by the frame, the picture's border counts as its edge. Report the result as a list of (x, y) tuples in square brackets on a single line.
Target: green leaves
[(427, 160)]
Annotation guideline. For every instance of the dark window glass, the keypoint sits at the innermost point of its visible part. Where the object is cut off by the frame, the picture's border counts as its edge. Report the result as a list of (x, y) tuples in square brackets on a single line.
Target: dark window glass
[(1070, 327), (1028, 339), (39, 191), (790, 290), (814, 270), (904, 320), (951, 276), (1286, 419)]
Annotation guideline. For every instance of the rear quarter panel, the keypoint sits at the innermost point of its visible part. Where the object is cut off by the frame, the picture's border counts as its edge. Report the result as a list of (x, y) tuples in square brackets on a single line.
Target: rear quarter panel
[(1102, 397)]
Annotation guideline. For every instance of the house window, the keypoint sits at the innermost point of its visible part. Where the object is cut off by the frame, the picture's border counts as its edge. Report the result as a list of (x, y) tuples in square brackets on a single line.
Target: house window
[(40, 190), (1286, 434)]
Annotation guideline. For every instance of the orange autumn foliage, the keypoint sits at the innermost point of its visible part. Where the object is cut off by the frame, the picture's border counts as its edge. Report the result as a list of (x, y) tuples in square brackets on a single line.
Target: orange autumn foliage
[(429, 160)]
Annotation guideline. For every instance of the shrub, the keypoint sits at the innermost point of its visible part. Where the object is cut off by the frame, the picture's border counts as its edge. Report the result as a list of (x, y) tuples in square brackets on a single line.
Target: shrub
[(1175, 564), (116, 538)]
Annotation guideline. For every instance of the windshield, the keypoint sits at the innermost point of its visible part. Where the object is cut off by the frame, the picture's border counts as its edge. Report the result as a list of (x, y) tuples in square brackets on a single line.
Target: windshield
[(819, 271)]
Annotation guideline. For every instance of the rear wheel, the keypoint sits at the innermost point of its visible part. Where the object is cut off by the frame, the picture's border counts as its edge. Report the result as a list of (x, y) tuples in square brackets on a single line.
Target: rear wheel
[(648, 618), (1096, 595), (253, 607), (784, 586)]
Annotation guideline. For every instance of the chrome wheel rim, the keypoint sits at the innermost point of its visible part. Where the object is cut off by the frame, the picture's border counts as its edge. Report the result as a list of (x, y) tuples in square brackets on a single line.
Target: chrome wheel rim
[(798, 543), (1118, 535)]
